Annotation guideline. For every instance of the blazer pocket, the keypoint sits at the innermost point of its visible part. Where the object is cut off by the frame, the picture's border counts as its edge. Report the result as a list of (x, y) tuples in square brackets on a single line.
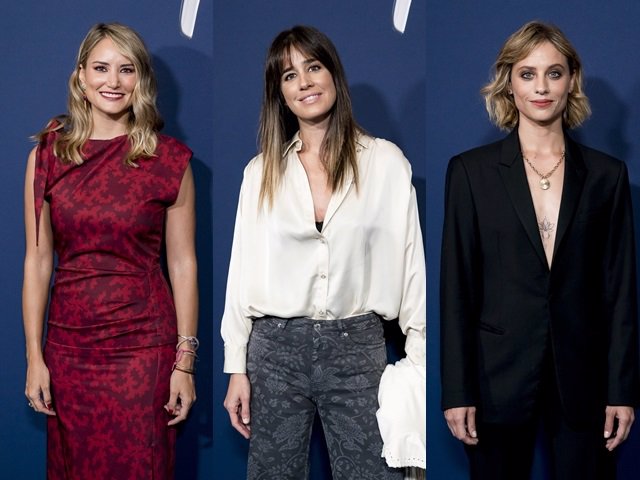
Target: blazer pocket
[(490, 328)]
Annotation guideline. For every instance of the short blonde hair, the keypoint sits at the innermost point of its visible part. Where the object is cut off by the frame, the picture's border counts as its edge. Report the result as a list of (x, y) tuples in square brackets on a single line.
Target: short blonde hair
[(499, 102)]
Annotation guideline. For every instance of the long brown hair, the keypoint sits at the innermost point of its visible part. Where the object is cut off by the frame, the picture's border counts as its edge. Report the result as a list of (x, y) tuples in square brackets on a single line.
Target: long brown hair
[(278, 123), (144, 118)]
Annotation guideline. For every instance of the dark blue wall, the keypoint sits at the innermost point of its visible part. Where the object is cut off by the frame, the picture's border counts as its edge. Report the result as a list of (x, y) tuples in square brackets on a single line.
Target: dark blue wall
[(38, 44), (419, 90), (463, 39), (386, 72)]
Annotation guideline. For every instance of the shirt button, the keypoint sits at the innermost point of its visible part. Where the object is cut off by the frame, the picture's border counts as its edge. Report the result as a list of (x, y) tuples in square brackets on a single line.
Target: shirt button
[(323, 276), (321, 312)]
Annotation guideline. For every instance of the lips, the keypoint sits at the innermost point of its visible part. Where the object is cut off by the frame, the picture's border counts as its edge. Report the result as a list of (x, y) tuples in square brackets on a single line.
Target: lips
[(541, 103), (310, 98), (112, 95)]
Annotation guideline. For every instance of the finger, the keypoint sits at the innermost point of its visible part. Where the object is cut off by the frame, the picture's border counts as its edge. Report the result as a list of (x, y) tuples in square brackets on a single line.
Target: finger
[(182, 410), (245, 410), (471, 423), (35, 401), (622, 431), (47, 400), (459, 427), (613, 442), (608, 422), (469, 441), (172, 404), (235, 419)]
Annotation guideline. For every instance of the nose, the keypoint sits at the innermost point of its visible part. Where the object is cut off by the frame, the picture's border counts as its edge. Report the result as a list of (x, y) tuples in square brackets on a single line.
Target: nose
[(113, 80), (542, 87), (305, 81)]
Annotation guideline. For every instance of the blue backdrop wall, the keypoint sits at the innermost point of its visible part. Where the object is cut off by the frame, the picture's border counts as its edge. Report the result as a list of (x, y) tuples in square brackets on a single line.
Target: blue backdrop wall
[(386, 73), (39, 42), (463, 39)]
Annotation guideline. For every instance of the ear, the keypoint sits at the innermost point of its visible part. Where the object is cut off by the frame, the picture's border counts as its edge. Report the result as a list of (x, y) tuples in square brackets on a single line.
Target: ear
[(81, 75), (572, 82)]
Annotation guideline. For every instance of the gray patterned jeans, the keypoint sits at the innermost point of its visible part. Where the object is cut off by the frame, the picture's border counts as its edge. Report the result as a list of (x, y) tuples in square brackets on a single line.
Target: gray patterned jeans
[(297, 366)]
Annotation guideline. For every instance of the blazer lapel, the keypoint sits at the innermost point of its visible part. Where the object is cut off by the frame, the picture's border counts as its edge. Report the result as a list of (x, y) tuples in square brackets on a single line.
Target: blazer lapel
[(574, 176), (511, 170)]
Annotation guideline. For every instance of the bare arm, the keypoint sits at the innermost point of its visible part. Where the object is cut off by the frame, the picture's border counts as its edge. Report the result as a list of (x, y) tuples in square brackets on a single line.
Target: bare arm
[(38, 267), (182, 265)]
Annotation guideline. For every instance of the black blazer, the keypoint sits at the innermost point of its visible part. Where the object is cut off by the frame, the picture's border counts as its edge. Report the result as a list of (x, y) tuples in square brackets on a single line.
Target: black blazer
[(502, 307)]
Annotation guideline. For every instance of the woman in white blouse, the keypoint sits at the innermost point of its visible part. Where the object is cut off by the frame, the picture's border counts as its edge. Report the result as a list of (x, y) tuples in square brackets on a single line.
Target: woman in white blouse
[(327, 244)]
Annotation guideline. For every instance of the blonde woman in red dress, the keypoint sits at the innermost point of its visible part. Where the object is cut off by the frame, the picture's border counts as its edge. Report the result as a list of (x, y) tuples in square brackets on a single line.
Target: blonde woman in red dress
[(103, 192)]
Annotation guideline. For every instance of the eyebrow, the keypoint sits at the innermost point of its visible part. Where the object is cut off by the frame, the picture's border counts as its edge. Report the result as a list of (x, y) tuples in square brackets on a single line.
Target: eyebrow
[(99, 62), (305, 62), (555, 65)]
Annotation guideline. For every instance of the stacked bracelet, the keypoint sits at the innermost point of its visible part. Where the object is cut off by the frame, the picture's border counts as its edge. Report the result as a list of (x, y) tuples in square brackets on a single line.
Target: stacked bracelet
[(181, 352), (193, 342), (180, 369)]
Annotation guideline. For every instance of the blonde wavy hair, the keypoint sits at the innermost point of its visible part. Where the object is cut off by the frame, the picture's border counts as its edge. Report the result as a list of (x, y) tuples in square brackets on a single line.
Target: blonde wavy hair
[(278, 124), (144, 118), (500, 104)]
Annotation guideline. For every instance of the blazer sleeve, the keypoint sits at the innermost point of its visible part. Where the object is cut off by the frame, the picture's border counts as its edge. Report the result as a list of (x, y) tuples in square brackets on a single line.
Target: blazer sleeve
[(620, 298), (459, 295)]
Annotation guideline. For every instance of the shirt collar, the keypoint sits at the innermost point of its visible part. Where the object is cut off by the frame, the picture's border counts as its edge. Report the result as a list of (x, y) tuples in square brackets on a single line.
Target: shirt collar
[(296, 143)]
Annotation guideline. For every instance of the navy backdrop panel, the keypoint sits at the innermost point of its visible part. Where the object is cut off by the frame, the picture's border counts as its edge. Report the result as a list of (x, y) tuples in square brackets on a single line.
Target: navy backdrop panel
[(386, 73), (39, 41), (463, 39)]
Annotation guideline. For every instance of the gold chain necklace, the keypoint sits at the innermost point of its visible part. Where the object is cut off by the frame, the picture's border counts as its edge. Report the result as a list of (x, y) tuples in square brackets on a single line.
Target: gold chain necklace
[(545, 184)]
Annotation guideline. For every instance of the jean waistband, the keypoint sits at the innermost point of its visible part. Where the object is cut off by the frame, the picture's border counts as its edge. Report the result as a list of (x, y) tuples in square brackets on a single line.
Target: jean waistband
[(338, 324)]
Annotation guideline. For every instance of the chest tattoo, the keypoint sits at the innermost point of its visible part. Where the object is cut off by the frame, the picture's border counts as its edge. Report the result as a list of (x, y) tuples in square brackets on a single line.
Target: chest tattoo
[(546, 228)]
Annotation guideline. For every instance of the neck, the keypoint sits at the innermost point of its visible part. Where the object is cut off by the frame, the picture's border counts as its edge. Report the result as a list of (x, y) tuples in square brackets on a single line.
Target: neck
[(312, 137), (105, 128), (540, 138)]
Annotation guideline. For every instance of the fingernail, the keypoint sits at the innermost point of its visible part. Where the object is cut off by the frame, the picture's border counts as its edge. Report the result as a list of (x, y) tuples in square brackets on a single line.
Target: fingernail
[(606, 434), (245, 420), (474, 434)]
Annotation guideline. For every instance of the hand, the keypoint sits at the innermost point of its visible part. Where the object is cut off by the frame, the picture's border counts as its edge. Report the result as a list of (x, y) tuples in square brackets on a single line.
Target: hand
[(462, 423), (625, 417), (237, 403), (182, 395), (37, 389)]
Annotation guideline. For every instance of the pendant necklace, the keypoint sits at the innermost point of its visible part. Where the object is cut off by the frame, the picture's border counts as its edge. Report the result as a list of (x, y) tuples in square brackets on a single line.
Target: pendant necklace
[(545, 184)]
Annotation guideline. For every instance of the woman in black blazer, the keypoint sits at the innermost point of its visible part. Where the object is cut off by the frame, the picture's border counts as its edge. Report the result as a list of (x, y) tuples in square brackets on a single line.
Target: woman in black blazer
[(538, 305)]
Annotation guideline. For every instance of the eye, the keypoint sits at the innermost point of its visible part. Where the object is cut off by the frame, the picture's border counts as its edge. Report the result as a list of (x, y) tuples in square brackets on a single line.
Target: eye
[(315, 67), (127, 70), (288, 76), (555, 74), (526, 75), (100, 68)]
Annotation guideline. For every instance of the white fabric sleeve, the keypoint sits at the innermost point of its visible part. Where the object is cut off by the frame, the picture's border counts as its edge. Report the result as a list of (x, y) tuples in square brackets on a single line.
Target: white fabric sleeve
[(235, 327)]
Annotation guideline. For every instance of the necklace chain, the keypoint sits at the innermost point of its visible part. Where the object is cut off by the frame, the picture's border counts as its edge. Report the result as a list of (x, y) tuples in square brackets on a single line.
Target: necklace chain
[(545, 184)]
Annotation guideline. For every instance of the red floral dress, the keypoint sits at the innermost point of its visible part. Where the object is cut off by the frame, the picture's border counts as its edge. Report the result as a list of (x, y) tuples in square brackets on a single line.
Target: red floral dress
[(111, 327)]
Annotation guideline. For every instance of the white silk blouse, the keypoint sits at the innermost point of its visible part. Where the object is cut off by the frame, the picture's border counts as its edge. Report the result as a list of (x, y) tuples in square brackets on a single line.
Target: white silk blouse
[(368, 257)]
